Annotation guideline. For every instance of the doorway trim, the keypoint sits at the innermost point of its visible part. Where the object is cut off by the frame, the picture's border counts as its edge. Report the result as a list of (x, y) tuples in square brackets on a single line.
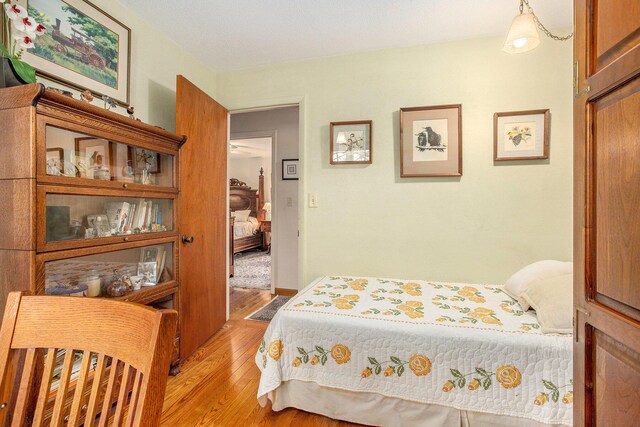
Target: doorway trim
[(274, 188), (268, 104)]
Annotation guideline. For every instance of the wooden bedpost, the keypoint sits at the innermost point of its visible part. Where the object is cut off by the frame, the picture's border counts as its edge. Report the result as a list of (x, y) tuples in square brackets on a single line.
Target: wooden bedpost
[(260, 195)]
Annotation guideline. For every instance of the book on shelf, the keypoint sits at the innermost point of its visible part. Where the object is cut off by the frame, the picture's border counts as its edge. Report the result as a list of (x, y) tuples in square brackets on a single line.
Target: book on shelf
[(118, 214)]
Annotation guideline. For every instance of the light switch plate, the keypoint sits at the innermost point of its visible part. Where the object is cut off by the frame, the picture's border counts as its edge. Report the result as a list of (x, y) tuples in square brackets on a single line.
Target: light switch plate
[(313, 200), (289, 202)]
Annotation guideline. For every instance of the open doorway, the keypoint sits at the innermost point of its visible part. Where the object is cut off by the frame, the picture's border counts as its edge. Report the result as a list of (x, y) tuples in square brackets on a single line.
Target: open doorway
[(259, 143)]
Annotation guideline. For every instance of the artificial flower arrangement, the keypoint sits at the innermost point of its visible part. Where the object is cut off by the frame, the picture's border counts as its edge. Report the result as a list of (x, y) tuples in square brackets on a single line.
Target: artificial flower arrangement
[(26, 30)]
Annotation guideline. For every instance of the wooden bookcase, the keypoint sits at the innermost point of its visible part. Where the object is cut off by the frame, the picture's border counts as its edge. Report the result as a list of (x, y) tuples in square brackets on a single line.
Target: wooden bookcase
[(64, 163)]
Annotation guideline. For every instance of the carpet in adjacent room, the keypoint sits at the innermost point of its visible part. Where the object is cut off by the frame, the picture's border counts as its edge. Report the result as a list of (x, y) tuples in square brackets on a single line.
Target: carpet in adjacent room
[(252, 270)]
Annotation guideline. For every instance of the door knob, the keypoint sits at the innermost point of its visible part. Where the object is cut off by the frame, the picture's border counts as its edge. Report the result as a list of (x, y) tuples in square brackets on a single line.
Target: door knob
[(187, 239)]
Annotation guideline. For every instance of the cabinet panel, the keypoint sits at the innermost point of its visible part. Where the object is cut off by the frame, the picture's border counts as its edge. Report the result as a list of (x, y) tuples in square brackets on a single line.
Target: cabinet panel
[(113, 274), (76, 155), (17, 216), (75, 217), (616, 245)]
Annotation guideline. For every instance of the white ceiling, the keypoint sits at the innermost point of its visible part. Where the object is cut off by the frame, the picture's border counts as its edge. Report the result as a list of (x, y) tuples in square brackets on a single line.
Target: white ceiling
[(231, 34), (253, 147)]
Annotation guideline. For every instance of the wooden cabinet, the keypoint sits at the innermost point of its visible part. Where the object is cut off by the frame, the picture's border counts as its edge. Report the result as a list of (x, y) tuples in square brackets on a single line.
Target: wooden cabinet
[(88, 196), (606, 199)]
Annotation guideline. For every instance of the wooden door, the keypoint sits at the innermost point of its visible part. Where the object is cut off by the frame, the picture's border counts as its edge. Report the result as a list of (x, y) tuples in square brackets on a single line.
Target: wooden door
[(203, 215), (607, 213)]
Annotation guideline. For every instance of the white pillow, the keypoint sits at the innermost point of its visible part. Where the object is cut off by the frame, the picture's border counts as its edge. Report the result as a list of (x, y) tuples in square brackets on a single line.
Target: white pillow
[(517, 284), (552, 299), (241, 216)]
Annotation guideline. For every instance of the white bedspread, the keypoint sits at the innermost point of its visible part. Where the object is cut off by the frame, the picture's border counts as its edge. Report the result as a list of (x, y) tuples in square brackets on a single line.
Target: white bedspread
[(245, 228), (464, 346)]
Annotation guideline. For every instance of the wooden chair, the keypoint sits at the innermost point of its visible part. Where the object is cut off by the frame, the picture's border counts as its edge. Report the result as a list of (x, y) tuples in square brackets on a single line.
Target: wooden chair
[(123, 351)]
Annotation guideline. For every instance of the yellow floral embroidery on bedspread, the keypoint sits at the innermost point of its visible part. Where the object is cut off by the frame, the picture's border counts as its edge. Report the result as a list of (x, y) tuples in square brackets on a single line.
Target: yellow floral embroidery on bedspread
[(422, 302)]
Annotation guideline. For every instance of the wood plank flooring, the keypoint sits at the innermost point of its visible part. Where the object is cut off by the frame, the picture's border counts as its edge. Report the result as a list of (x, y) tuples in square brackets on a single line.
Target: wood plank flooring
[(217, 385)]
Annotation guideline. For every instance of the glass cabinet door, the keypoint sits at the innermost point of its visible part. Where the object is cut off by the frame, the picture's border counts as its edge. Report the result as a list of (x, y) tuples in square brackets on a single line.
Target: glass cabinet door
[(78, 155), (117, 274), (70, 216)]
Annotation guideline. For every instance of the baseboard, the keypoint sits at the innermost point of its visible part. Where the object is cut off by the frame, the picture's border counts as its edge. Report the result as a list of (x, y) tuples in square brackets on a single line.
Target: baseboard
[(285, 292)]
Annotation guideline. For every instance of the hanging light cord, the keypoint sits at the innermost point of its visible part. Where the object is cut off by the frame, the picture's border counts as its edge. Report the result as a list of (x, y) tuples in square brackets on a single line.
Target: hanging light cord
[(539, 24)]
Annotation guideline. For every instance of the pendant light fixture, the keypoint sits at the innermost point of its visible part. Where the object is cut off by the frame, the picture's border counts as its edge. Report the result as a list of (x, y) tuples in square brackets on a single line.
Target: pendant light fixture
[(523, 35)]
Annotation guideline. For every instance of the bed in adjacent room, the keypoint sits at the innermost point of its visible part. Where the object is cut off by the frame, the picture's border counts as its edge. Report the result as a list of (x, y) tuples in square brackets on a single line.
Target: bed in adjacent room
[(245, 204), (397, 352)]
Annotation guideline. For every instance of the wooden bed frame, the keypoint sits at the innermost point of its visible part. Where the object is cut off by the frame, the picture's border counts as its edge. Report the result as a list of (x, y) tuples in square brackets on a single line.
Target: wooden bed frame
[(243, 197)]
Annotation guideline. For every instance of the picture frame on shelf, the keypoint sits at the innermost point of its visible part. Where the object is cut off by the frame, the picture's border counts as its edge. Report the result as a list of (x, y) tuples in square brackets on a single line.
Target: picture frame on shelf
[(521, 135), (290, 169), (149, 271), (142, 159), (55, 161), (96, 152), (431, 141), (351, 143), (83, 47)]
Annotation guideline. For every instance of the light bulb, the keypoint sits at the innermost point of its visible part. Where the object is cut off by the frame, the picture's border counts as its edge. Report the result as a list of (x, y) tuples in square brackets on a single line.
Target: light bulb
[(518, 43)]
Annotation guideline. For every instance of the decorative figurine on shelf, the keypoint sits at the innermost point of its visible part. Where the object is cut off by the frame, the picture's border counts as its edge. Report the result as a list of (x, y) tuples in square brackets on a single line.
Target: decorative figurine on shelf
[(130, 112), (120, 286), (128, 172), (108, 103), (60, 91), (86, 96)]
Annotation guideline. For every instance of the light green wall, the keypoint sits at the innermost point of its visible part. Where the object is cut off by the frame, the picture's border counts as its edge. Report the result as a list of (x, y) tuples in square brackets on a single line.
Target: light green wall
[(479, 228), (155, 62)]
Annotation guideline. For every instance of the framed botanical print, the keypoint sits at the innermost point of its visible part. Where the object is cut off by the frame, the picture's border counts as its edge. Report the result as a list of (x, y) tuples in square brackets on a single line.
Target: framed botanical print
[(521, 135), (290, 169), (351, 142), (83, 47), (431, 141)]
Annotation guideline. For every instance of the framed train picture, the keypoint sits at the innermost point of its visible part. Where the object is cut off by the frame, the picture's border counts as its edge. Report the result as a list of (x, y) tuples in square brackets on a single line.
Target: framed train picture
[(431, 141), (83, 47)]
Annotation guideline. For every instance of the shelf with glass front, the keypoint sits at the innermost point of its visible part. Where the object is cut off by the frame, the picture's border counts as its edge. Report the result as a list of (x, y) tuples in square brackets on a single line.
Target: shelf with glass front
[(78, 217), (137, 271), (95, 158)]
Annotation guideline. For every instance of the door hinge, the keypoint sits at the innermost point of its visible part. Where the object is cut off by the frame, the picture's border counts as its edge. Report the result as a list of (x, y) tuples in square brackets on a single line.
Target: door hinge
[(585, 313), (577, 93)]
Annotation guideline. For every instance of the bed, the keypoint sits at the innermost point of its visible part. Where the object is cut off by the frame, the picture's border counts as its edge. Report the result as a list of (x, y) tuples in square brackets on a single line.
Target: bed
[(245, 233), (420, 353)]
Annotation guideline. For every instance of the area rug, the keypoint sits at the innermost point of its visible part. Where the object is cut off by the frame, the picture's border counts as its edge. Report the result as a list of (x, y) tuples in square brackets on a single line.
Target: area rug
[(252, 271), (266, 313)]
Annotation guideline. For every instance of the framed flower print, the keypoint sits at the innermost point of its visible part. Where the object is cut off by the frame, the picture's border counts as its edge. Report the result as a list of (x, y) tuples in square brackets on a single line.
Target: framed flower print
[(431, 141), (521, 135)]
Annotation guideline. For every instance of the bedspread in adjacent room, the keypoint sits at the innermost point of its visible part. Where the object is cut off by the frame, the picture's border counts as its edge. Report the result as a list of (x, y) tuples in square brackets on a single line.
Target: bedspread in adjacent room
[(464, 346), (245, 228)]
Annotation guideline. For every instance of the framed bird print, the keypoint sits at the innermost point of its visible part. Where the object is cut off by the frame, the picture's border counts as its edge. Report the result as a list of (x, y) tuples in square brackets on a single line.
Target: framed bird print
[(431, 141), (521, 135)]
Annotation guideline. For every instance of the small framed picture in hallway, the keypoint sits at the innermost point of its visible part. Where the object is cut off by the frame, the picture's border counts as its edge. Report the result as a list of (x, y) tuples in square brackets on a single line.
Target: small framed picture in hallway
[(290, 169)]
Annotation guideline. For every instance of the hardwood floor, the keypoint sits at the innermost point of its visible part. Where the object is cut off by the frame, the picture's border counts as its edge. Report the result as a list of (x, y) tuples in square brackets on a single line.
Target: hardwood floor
[(217, 385)]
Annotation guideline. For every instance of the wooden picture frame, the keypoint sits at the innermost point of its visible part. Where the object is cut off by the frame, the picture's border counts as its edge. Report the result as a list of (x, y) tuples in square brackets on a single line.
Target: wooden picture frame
[(57, 154), (70, 53), (431, 141), (355, 139), (521, 135), (290, 169), (136, 162), (84, 143)]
